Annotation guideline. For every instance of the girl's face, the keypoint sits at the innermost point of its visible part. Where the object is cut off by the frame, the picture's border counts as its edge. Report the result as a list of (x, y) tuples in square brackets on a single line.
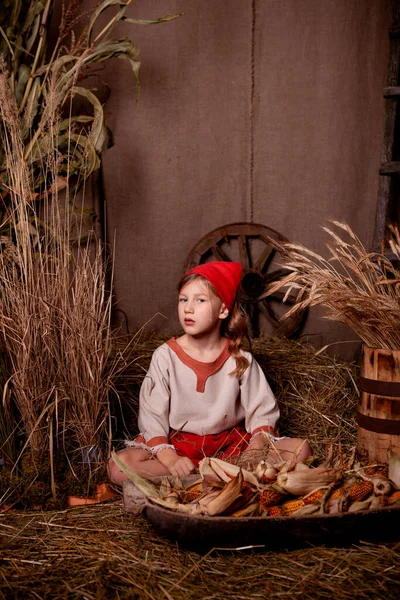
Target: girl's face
[(200, 310)]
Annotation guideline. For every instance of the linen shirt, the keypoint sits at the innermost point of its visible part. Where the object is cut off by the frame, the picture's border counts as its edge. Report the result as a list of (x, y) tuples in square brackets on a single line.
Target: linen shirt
[(184, 394)]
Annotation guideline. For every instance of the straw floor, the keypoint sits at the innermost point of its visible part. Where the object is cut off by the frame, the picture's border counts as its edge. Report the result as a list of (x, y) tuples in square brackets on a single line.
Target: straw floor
[(101, 552)]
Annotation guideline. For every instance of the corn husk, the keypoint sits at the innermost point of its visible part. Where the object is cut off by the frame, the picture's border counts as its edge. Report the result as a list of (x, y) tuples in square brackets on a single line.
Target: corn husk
[(308, 509), (247, 511), (382, 486), (147, 488), (360, 505), (225, 498), (335, 506), (224, 471), (305, 481), (191, 509)]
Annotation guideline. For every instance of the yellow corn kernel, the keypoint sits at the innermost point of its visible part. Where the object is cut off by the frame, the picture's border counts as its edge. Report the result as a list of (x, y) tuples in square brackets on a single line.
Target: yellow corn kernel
[(314, 497), (291, 506), (338, 493), (274, 511), (376, 470), (193, 493), (270, 498), (361, 490), (394, 497)]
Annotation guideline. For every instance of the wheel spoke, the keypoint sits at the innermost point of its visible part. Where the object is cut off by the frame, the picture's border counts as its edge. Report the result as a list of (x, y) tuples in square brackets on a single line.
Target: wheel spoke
[(252, 312), (274, 276), (267, 311), (220, 254), (265, 256), (244, 252)]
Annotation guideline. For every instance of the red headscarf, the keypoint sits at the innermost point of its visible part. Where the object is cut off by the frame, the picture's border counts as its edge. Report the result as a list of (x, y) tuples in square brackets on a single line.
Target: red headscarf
[(224, 276)]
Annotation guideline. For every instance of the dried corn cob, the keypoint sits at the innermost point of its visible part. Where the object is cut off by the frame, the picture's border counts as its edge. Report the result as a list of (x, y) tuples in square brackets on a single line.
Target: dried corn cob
[(193, 492), (360, 490), (314, 497), (338, 493), (344, 488), (270, 498), (376, 470), (394, 497), (291, 506), (274, 511)]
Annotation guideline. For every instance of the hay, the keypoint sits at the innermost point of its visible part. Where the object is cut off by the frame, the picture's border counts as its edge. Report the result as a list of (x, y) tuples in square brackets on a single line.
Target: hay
[(317, 393), (101, 552)]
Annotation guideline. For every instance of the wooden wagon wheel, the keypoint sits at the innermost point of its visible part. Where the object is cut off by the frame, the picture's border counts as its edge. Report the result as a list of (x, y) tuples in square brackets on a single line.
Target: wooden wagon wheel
[(249, 243)]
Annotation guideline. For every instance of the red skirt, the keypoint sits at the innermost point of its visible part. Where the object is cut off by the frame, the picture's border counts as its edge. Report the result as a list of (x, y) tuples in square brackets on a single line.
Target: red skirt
[(225, 445)]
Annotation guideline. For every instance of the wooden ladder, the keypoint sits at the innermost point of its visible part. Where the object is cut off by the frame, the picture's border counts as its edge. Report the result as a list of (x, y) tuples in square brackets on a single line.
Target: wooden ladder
[(389, 180)]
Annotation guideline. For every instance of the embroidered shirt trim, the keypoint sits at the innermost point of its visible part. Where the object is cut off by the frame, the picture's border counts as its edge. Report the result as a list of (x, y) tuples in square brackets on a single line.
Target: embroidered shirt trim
[(202, 370)]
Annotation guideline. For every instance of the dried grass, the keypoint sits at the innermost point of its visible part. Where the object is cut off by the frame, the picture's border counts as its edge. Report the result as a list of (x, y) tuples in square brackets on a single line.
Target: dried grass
[(355, 287), (54, 307), (102, 552), (317, 393)]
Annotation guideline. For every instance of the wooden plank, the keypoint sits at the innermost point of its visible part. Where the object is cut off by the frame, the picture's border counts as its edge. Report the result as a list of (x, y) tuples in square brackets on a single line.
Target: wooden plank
[(390, 121), (391, 92), (390, 168)]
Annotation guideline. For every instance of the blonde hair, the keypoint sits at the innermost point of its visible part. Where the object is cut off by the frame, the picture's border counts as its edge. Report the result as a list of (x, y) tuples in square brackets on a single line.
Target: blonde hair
[(234, 327)]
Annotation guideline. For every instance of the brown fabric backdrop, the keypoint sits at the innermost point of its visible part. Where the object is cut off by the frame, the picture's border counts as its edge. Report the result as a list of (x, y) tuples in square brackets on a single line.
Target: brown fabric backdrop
[(250, 110)]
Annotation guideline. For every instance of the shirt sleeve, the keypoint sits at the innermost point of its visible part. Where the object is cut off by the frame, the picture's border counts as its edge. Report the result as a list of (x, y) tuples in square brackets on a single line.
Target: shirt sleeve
[(257, 399), (154, 401)]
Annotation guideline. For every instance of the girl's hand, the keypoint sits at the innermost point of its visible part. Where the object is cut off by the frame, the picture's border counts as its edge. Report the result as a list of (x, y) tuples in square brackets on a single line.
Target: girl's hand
[(255, 452), (182, 466), (177, 465)]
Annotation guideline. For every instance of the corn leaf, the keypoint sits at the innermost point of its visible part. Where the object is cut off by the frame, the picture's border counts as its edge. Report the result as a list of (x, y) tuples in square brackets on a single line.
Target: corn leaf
[(147, 488), (151, 21)]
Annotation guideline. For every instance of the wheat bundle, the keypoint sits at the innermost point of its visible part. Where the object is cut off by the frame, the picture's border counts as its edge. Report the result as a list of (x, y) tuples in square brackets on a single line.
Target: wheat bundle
[(356, 287)]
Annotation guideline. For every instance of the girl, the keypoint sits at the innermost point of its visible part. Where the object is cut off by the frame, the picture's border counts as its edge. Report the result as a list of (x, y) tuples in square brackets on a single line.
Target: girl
[(203, 395)]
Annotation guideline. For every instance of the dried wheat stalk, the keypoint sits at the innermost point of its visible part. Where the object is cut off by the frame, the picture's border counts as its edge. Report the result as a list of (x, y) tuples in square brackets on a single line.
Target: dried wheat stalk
[(55, 309), (356, 287)]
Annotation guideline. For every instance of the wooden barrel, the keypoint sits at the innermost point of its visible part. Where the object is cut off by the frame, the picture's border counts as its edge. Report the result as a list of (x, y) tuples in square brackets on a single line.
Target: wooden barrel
[(379, 414)]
